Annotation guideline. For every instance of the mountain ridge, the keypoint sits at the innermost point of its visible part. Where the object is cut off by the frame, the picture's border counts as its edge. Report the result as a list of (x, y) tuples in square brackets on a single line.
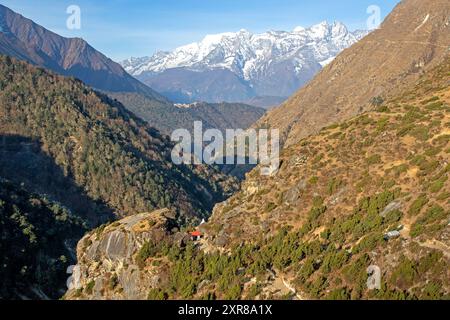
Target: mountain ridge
[(258, 61), (169, 117), (387, 60), (372, 191), (22, 38)]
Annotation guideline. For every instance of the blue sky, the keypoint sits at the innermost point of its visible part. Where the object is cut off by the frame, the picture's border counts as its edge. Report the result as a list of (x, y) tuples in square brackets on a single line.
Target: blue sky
[(124, 28)]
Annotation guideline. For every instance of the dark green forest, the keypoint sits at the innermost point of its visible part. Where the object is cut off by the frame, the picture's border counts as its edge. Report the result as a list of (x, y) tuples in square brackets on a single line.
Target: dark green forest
[(37, 241), (115, 158), (70, 159)]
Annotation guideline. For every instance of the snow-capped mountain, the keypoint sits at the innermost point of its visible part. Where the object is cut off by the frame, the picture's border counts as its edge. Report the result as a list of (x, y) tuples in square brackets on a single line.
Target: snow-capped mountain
[(274, 63)]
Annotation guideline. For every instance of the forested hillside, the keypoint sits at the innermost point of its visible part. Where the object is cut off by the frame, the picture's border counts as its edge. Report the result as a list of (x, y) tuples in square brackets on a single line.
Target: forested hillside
[(75, 159), (370, 191), (38, 237), (111, 156), (169, 117)]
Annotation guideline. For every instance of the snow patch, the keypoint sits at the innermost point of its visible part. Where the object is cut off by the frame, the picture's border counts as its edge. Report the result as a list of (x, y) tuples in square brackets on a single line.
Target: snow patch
[(423, 23), (186, 105), (326, 61)]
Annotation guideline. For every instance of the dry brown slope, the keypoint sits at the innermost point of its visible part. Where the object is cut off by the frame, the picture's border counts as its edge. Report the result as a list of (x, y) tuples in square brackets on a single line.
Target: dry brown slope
[(313, 228), (413, 39), (348, 186), (404, 144)]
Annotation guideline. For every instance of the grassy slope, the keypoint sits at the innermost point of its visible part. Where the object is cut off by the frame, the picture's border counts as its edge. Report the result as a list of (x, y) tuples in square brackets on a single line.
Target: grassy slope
[(319, 222)]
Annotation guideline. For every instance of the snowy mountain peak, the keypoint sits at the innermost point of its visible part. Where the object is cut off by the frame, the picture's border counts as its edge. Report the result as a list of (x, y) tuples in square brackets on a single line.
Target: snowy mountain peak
[(299, 29), (247, 54), (338, 29), (258, 60), (320, 30)]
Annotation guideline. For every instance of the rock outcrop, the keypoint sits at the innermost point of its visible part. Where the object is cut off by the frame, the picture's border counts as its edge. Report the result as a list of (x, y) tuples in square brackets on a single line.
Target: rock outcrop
[(108, 266)]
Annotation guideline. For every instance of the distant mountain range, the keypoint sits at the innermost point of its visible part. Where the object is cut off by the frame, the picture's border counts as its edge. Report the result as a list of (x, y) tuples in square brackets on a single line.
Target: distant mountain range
[(362, 191), (168, 117), (25, 40), (407, 44), (243, 66)]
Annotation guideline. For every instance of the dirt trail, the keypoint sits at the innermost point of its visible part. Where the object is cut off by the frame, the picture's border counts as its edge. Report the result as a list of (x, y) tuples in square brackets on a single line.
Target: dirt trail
[(284, 286), (292, 289), (437, 245), (431, 244)]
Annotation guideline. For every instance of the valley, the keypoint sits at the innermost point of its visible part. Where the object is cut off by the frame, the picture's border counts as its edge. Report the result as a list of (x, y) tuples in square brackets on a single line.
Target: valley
[(317, 234), (66, 142), (354, 206)]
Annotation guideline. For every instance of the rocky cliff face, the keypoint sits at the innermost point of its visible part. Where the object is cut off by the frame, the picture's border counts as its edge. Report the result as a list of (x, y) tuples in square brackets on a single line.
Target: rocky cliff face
[(109, 265)]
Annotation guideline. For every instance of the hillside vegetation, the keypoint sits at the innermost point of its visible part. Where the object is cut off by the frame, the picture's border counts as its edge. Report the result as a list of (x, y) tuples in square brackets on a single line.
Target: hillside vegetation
[(168, 117), (37, 241), (312, 229), (115, 158)]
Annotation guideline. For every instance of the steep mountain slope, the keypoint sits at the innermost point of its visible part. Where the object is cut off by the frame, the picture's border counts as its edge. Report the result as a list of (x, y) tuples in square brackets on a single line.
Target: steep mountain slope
[(186, 86), (71, 136), (413, 38), (370, 191), (239, 66), (37, 241), (166, 118), (25, 40), (266, 102), (345, 188)]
